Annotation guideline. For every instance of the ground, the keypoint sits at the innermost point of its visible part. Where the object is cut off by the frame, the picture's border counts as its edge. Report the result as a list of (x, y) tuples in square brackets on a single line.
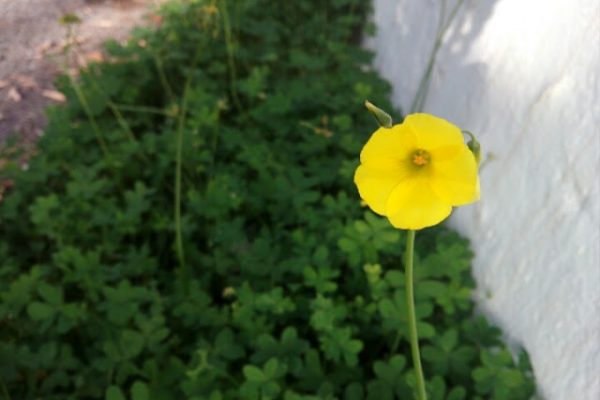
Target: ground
[(31, 51)]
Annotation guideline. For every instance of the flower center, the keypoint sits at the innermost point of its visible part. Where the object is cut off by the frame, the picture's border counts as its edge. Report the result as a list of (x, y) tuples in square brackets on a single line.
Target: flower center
[(420, 157)]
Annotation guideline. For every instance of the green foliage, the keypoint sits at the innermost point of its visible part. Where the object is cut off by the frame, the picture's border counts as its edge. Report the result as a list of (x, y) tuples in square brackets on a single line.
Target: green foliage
[(292, 290)]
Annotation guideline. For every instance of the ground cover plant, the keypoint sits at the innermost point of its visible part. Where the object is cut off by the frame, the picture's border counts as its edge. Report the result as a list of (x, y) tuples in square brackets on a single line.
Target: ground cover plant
[(189, 229)]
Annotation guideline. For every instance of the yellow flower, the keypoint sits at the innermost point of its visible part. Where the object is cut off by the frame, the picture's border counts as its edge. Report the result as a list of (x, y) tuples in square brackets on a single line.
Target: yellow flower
[(415, 172)]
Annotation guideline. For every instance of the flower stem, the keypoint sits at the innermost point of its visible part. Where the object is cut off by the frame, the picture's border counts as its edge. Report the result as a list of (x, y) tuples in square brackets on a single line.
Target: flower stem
[(177, 201), (421, 96), (229, 46), (162, 77), (181, 121), (88, 112), (412, 322)]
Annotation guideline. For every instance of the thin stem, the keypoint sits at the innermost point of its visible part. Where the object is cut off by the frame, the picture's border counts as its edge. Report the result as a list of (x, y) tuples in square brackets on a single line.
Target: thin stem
[(224, 374), (179, 250), (412, 322), (90, 116), (81, 97), (111, 105), (116, 113), (229, 45), (178, 162), (122, 122), (162, 77), (142, 109), (419, 100), (396, 343)]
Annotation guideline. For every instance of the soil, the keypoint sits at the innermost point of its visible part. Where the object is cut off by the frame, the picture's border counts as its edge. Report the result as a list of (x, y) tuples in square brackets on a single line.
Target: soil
[(31, 46)]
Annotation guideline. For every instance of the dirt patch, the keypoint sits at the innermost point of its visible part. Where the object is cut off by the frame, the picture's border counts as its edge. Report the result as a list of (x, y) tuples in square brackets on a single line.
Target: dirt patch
[(31, 41)]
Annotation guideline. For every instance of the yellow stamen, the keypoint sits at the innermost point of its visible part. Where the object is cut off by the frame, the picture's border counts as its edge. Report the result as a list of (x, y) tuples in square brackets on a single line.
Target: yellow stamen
[(420, 157)]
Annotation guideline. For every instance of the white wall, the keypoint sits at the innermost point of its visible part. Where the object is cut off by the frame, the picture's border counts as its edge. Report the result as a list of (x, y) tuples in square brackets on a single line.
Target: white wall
[(524, 75)]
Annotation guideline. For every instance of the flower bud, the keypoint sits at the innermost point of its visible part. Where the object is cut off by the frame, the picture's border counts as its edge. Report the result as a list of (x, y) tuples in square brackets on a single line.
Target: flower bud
[(383, 119), (474, 146)]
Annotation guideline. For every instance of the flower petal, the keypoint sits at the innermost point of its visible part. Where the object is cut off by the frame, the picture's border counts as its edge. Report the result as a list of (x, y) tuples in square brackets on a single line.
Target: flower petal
[(375, 185), (454, 176), (386, 147), (432, 132), (414, 205)]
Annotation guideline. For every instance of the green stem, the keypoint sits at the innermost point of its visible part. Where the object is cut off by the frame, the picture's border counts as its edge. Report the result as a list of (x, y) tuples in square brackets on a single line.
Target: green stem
[(90, 116), (179, 250), (229, 46), (412, 322), (178, 165), (178, 234), (111, 105), (162, 77), (82, 100), (419, 100), (122, 122), (142, 109)]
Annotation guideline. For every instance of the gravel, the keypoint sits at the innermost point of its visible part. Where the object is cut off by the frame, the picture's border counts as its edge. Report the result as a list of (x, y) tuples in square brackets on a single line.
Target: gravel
[(31, 39)]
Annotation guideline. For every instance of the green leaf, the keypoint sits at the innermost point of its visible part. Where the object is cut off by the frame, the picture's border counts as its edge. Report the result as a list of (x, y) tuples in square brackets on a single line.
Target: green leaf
[(254, 374), (457, 393), (139, 391), (226, 345), (449, 340), (354, 391), (40, 311), (512, 378), (380, 390), (395, 278), (51, 294), (132, 343), (271, 366), (215, 395), (390, 372), (437, 387), (114, 393)]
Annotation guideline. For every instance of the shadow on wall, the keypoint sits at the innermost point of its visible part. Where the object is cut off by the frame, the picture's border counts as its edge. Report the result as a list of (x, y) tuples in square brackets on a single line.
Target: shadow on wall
[(454, 57), (396, 59)]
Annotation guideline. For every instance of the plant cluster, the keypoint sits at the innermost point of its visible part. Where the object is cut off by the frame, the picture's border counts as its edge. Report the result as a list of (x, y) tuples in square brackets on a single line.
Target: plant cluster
[(190, 229)]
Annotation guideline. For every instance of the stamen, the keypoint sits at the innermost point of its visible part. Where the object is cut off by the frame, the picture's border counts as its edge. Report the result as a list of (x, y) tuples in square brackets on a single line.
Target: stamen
[(420, 157)]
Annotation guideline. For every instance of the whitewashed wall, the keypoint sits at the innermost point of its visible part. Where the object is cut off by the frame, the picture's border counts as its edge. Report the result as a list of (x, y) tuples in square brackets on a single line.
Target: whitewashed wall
[(524, 75)]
